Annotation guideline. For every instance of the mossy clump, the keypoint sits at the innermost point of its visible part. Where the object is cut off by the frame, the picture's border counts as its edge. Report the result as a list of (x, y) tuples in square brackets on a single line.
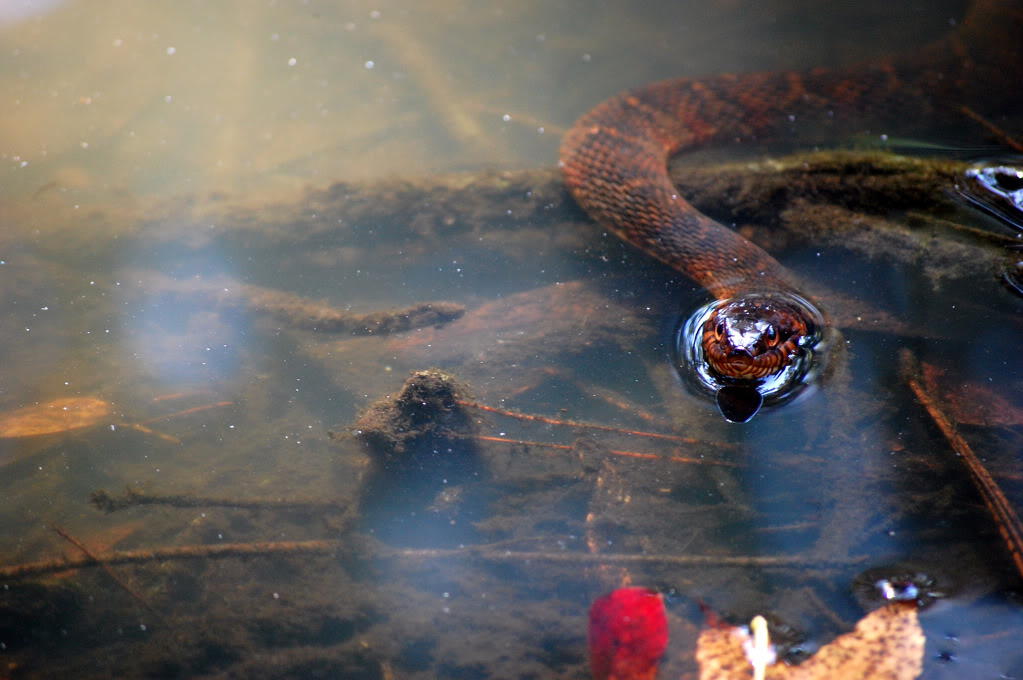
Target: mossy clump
[(430, 406)]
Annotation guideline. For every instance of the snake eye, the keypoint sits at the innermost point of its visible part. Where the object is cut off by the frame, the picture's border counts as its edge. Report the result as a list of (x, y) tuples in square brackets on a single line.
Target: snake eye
[(719, 330), (771, 334)]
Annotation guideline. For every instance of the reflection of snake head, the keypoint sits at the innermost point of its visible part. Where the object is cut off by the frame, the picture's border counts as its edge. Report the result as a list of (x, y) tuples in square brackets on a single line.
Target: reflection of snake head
[(753, 337)]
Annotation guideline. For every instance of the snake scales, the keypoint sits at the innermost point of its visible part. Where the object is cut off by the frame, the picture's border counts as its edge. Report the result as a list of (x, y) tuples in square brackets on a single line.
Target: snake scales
[(615, 157)]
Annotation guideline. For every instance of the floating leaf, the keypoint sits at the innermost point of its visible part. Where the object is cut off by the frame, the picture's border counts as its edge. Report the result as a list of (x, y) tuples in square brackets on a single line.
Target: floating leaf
[(887, 644)]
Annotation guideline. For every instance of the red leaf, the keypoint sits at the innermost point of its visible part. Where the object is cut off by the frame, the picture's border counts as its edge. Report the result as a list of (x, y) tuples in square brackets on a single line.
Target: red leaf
[(628, 634)]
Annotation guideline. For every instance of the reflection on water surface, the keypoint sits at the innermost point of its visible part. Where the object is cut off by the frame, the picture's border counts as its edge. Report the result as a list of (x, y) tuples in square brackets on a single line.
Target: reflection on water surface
[(166, 254)]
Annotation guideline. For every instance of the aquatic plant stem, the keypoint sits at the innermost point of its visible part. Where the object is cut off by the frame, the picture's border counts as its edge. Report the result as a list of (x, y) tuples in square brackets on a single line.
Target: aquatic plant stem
[(1005, 517)]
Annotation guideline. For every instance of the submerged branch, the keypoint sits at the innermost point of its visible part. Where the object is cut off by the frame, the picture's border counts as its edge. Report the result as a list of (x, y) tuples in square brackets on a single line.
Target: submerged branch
[(131, 497), (66, 535), (482, 552), (1004, 515), (318, 316), (186, 552), (489, 554)]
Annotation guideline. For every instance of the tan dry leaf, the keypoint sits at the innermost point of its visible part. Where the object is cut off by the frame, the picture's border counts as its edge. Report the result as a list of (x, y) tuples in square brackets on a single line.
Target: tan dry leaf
[(59, 415), (887, 644)]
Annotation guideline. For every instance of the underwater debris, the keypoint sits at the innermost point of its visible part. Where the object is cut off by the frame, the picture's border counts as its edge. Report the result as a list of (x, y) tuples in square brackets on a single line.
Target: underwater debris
[(307, 314), (151, 555), (421, 445), (102, 500), (430, 406), (1003, 512), (321, 317)]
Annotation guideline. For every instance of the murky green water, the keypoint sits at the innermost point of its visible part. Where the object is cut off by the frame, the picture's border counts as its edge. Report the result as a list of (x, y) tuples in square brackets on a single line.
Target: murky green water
[(171, 247)]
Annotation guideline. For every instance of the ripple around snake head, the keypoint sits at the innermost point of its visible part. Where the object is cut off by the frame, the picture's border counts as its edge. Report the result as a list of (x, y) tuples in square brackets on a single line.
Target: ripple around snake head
[(995, 187), (740, 398)]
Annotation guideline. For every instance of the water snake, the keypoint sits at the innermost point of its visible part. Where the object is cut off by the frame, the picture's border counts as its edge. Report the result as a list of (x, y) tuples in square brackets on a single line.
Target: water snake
[(615, 157)]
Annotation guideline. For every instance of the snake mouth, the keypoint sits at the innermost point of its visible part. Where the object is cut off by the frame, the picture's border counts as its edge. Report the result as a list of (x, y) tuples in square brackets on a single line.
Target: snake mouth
[(739, 364)]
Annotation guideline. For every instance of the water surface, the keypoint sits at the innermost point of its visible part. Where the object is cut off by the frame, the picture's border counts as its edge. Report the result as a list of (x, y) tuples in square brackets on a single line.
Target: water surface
[(171, 223)]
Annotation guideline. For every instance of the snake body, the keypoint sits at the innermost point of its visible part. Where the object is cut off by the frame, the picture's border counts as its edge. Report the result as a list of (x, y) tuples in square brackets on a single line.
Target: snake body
[(615, 164)]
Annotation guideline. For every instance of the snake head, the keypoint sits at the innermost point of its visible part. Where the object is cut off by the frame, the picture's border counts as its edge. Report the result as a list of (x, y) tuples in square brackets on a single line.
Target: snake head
[(751, 338), (755, 349)]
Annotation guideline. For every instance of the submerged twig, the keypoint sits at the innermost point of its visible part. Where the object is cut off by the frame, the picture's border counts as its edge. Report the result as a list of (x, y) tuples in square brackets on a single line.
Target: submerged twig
[(186, 412), (318, 316), (490, 554), (314, 315), (131, 497), (63, 533), (1000, 134), (185, 552), (482, 552), (1005, 517), (613, 452), (590, 426)]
